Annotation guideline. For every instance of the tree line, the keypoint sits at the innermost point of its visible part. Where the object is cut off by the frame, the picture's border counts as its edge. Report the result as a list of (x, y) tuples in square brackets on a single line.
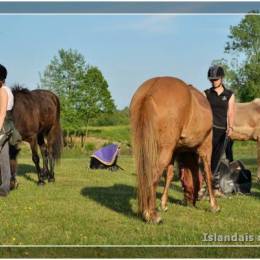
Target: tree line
[(86, 99), (83, 91)]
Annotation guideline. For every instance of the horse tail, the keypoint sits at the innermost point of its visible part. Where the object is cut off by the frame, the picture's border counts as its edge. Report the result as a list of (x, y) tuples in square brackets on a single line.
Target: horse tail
[(57, 143), (146, 154)]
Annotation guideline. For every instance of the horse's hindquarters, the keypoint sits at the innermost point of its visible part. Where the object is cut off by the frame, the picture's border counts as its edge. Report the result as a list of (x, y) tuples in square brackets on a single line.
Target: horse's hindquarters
[(164, 114)]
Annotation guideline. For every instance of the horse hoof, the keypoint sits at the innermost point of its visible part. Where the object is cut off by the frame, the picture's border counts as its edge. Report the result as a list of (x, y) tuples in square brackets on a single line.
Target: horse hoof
[(157, 220), (146, 216), (41, 183), (152, 218), (51, 180), (215, 209), (164, 208), (188, 203), (14, 185), (44, 173)]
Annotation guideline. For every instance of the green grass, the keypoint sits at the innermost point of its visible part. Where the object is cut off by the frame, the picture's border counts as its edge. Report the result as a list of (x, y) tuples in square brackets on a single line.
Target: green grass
[(87, 207), (119, 133)]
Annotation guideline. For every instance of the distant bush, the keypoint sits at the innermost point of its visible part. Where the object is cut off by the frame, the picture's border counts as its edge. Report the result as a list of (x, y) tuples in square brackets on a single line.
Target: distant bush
[(90, 147), (119, 117)]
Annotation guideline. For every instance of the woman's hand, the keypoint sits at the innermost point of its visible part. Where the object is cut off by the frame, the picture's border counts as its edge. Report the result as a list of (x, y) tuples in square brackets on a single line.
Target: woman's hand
[(229, 131)]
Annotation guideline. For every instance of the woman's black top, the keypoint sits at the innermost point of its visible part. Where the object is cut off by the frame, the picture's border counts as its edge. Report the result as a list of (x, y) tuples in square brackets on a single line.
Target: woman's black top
[(219, 106)]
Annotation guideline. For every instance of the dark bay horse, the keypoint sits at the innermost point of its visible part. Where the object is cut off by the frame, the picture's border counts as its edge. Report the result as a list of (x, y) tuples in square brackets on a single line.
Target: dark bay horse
[(168, 117), (36, 115)]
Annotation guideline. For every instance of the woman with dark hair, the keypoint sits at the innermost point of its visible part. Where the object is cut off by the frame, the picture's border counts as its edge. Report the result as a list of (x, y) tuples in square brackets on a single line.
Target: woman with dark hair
[(6, 105)]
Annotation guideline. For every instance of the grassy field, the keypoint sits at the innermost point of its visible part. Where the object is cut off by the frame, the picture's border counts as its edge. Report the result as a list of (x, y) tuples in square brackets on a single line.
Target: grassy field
[(98, 208)]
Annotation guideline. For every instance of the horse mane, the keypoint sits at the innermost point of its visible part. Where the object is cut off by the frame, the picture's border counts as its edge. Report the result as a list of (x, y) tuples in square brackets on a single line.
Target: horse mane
[(19, 89)]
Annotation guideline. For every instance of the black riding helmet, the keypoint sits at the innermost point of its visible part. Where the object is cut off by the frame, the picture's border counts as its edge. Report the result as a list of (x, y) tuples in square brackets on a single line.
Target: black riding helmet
[(216, 72), (3, 73)]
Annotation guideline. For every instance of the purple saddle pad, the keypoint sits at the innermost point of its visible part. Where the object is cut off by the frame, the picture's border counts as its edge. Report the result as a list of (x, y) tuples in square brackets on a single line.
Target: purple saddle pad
[(107, 154)]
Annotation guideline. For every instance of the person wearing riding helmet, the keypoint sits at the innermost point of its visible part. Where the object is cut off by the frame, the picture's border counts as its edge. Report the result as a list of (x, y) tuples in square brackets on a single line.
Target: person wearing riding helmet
[(222, 102), (6, 104)]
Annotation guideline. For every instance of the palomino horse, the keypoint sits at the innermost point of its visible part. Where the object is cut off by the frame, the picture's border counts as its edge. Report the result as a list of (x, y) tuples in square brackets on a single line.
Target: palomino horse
[(36, 115), (247, 127), (168, 117)]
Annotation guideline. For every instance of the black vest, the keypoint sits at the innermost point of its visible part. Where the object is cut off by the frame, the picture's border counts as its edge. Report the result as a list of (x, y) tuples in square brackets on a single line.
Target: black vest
[(219, 106)]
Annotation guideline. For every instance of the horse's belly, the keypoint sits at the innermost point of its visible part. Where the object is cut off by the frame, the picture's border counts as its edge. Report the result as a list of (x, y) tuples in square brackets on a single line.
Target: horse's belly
[(243, 133), (191, 140)]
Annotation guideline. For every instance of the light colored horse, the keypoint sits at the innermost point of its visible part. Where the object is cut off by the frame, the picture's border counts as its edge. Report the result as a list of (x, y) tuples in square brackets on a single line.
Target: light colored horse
[(247, 125), (167, 117)]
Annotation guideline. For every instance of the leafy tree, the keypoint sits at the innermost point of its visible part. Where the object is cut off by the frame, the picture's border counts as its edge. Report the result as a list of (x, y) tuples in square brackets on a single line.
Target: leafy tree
[(118, 117), (244, 43), (82, 89), (63, 76), (94, 97)]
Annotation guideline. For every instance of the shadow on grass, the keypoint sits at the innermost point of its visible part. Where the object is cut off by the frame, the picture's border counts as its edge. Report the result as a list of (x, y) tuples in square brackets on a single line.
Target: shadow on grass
[(255, 194), (256, 190), (117, 198), (23, 169), (256, 186)]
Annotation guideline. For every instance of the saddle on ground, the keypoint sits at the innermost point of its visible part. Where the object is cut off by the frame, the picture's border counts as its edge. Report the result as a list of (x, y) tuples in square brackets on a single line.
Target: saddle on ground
[(234, 177), (105, 158)]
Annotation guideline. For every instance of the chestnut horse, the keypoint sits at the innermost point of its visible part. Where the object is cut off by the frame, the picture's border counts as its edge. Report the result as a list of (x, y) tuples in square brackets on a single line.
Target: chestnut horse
[(190, 177), (168, 117), (36, 116)]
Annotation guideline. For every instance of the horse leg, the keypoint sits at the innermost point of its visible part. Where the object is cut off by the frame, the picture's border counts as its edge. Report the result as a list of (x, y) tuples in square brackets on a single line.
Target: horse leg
[(188, 167), (196, 177), (188, 186), (50, 142), (169, 177), (36, 160), (164, 160), (44, 152), (54, 146), (13, 180), (13, 151), (204, 152), (51, 177)]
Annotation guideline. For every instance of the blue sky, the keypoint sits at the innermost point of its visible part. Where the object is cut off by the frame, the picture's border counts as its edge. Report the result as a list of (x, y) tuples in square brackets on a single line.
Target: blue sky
[(128, 49)]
